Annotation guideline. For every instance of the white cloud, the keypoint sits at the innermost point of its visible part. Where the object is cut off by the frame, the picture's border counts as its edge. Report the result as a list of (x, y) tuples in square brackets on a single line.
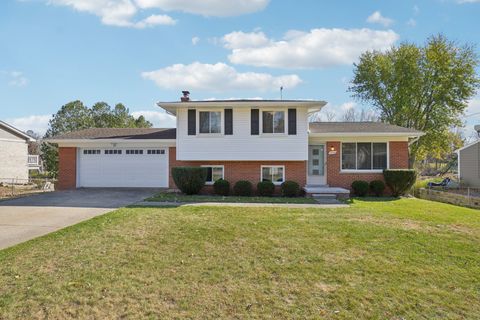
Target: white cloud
[(377, 17), (215, 8), (15, 78), (411, 22), (118, 13), (239, 40), (36, 123), (318, 48), (154, 20), (160, 119), (195, 40), (416, 10), (217, 78)]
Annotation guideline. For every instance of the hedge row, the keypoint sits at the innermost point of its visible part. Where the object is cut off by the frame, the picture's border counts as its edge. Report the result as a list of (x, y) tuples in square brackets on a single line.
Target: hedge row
[(400, 182), (190, 180)]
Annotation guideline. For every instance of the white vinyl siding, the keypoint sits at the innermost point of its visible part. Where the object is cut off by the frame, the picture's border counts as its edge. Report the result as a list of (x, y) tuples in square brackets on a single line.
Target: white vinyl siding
[(242, 145)]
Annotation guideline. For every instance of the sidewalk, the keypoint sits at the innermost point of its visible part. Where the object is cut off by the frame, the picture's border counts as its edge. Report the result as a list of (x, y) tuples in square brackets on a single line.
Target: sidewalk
[(240, 204)]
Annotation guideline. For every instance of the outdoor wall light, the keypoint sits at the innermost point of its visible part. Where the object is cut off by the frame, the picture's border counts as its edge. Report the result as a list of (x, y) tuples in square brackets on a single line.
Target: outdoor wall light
[(332, 148)]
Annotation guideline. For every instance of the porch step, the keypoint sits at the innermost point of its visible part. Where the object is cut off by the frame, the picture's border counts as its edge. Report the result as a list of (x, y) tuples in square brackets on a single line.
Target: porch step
[(325, 190), (324, 195)]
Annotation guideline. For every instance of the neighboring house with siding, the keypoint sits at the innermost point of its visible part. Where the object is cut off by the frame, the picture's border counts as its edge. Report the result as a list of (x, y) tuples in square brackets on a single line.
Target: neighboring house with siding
[(14, 159), (251, 140), (469, 165)]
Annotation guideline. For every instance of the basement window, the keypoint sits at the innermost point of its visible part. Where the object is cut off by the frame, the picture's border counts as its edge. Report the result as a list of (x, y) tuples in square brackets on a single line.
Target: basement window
[(275, 174), (214, 173)]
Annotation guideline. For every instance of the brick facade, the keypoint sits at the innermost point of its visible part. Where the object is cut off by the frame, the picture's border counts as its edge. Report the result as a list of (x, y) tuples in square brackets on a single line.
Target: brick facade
[(243, 170), (67, 168), (398, 152)]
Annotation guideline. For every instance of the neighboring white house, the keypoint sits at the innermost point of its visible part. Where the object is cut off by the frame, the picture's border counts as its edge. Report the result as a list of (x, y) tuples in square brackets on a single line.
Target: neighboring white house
[(469, 165), (14, 158)]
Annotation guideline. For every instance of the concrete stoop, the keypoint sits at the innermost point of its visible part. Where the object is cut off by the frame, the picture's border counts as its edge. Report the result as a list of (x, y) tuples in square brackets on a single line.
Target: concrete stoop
[(325, 194)]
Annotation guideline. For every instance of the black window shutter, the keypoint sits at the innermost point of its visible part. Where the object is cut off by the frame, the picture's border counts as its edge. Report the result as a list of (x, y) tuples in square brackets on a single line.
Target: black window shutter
[(228, 121), (254, 122), (292, 121), (192, 122)]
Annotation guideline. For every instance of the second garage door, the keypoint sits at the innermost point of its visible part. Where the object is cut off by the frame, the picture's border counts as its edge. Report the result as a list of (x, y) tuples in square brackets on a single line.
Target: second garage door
[(122, 167)]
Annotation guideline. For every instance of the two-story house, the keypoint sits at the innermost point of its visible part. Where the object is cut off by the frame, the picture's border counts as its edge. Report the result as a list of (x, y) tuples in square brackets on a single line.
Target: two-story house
[(251, 140)]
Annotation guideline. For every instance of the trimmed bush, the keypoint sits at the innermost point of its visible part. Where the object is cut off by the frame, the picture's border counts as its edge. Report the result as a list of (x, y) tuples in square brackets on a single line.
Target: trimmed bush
[(360, 188), (189, 179), (377, 187), (400, 181), (290, 189), (243, 188), (265, 188), (221, 187)]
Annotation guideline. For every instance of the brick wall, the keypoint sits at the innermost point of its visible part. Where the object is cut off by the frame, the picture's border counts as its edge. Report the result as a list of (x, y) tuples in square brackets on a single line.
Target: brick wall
[(67, 168), (398, 160), (244, 170)]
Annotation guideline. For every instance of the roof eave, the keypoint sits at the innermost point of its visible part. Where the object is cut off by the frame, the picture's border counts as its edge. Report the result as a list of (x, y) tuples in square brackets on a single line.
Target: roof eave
[(367, 134), (113, 140), (16, 131), (171, 107)]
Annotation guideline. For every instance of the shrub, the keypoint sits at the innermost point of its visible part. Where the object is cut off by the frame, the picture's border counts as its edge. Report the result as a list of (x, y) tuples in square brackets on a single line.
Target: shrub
[(243, 188), (360, 188), (265, 188), (221, 187), (400, 181), (290, 189), (377, 187), (189, 179)]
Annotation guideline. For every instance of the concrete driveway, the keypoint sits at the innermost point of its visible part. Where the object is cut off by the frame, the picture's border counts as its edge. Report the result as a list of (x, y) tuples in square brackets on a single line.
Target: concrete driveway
[(26, 218)]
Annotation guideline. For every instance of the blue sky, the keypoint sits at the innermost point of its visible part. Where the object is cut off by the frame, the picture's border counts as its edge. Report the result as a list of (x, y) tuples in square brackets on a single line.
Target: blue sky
[(141, 51)]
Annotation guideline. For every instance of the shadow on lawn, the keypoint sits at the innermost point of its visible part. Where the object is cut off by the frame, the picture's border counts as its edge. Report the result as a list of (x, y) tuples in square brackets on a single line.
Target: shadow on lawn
[(370, 199)]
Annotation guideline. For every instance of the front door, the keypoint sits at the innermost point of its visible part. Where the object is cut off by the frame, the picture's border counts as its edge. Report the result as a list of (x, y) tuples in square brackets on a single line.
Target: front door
[(316, 165)]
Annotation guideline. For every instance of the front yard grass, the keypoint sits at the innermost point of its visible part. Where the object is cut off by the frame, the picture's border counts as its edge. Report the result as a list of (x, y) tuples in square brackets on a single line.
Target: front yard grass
[(391, 259), (177, 197)]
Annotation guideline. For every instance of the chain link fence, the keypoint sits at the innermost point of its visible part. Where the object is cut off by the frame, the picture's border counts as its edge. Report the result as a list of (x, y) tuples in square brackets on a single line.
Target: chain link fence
[(13, 187)]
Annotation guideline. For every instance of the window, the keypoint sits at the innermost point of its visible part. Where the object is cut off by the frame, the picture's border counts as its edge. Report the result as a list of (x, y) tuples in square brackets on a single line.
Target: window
[(214, 173), (135, 151), (156, 151), (113, 151), (210, 121), (88, 151), (273, 122), (275, 174), (364, 156)]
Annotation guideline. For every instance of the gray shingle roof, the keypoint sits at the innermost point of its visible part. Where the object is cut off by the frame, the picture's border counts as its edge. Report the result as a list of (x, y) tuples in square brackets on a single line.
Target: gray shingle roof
[(119, 133), (359, 127)]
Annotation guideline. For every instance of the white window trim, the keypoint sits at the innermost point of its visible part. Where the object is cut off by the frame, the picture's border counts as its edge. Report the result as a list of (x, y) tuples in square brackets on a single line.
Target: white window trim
[(273, 166), (221, 133), (214, 166), (285, 125), (365, 170)]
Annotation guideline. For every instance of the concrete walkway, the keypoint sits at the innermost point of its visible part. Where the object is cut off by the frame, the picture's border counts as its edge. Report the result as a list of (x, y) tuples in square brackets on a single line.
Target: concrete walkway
[(25, 218), (247, 205)]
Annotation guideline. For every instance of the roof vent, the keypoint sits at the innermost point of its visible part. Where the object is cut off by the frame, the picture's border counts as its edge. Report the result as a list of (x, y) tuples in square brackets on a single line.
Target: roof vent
[(186, 96)]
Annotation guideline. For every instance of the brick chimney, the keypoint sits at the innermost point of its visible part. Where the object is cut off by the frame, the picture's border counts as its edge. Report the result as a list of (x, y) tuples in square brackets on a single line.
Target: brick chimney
[(186, 96)]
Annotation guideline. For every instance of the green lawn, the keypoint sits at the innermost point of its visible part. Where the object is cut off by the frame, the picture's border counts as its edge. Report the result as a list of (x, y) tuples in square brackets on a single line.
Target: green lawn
[(176, 197), (397, 259)]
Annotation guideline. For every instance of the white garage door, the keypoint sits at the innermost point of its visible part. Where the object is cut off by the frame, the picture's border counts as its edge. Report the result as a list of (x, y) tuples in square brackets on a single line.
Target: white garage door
[(122, 167)]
